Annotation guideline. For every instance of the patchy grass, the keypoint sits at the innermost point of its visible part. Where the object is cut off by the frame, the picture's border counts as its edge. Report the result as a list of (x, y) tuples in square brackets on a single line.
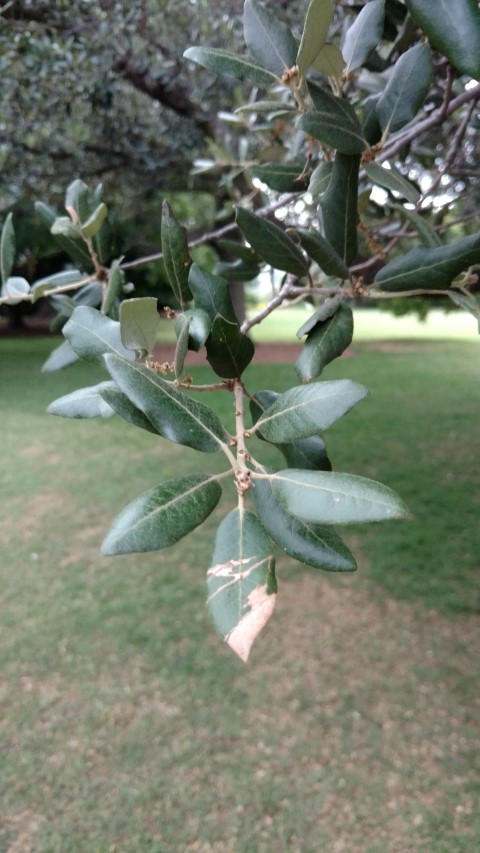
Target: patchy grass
[(126, 726)]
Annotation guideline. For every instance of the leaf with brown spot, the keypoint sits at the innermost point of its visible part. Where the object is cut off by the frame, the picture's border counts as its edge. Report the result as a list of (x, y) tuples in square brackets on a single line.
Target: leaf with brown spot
[(241, 583)]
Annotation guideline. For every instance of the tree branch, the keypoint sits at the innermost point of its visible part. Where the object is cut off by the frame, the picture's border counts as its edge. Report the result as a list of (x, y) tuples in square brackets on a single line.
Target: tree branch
[(436, 118)]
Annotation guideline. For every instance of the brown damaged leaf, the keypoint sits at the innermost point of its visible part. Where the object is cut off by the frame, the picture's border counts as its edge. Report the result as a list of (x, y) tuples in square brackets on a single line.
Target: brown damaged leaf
[(241, 582), (261, 605)]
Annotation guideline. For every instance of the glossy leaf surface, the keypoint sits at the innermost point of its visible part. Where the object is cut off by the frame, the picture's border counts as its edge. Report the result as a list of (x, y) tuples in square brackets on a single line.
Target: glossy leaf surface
[(308, 409), (125, 409), (198, 328), (181, 349), (339, 206), (332, 498), (163, 515), (92, 225), (329, 61), (435, 268), (317, 22), (453, 27), (309, 453), (269, 40), (91, 334), (327, 340), (320, 179), (228, 351), (175, 415), (406, 89), (282, 177), (211, 294), (75, 247), (320, 251), (176, 256), (139, 320), (334, 122), (84, 403), (271, 243), (114, 286), (363, 35), (392, 179), (313, 544), (241, 582), (230, 65)]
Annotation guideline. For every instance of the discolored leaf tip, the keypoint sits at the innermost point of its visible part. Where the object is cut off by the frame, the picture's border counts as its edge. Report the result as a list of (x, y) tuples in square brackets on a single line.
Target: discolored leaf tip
[(242, 637)]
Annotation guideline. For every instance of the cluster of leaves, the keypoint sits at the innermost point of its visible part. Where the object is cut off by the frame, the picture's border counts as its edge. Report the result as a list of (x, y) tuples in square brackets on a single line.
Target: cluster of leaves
[(298, 504)]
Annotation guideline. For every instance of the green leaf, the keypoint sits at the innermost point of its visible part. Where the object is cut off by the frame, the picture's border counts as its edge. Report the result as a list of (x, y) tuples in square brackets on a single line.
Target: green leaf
[(309, 453), (228, 351), (329, 61), (198, 329), (269, 40), (236, 270), (313, 544), (182, 348), (453, 27), (370, 124), (282, 177), (240, 250), (122, 406), (175, 415), (468, 302), (15, 289), (91, 335), (64, 227), (332, 498), (308, 409), (339, 206), (139, 320), (426, 232), (83, 403), (62, 356), (7, 248), (320, 179), (335, 123), (322, 313), (317, 22), (364, 34), (50, 282), (230, 65), (271, 243), (211, 294), (406, 89), (92, 225), (430, 269), (266, 107), (328, 340), (320, 251), (392, 179), (241, 582), (75, 246), (77, 200), (175, 255), (114, 287), (163, 515)]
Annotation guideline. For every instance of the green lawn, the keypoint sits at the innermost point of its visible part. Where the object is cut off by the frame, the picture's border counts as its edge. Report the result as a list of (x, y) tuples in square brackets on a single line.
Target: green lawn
[(125, 724)]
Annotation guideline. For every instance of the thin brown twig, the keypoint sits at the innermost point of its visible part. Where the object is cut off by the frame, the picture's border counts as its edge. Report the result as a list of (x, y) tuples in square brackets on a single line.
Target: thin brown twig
[(437, 117), (213, 235)]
